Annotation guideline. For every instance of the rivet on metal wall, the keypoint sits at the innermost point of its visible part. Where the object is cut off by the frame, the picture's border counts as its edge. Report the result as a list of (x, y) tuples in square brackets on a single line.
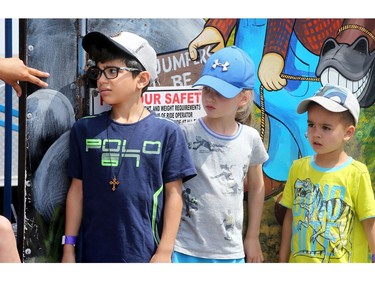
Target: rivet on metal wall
[(94, 92)]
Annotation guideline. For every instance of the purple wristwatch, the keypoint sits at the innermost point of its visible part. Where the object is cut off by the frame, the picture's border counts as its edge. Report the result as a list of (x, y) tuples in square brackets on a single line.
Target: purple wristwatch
[(71, 240)]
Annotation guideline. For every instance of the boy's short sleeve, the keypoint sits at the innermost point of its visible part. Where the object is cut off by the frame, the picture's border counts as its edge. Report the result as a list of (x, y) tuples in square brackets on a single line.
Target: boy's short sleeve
[(178, 164)]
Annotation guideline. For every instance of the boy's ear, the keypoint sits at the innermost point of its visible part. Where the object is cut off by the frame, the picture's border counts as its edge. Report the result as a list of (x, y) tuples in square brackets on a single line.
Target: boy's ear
[(349, 132), (144, 79)]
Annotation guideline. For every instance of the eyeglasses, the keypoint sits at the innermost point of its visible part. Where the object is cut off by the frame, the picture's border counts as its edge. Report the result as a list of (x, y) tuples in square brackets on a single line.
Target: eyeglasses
[(110, 72)]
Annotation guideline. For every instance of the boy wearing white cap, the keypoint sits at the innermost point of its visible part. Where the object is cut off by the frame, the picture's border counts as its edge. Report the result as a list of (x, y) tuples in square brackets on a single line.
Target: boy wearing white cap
[(330, 215), (226, 153), (127, 165)]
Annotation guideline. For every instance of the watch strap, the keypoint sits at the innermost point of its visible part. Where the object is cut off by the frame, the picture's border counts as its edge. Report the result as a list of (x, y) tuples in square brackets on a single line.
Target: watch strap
[(70, 240)]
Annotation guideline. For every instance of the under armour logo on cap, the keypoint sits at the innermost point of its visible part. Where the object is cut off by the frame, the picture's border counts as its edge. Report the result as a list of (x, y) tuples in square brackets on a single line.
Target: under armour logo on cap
[(223, 65), (228, 81)]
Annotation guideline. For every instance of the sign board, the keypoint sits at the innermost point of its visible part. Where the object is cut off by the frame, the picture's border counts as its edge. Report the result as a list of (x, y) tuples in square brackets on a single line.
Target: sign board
[(182, 104)]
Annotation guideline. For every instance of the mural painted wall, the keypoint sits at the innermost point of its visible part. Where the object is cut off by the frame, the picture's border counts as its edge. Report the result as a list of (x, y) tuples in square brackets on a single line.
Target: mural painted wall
[(293, 58)]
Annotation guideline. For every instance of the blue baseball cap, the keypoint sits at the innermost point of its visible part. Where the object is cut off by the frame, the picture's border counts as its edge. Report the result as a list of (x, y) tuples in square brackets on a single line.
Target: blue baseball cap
[(228, 71)]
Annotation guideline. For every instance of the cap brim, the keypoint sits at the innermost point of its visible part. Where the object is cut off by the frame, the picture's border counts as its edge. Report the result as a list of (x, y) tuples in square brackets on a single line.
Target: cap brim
[(100, 40), (324, 102), (223, 88)]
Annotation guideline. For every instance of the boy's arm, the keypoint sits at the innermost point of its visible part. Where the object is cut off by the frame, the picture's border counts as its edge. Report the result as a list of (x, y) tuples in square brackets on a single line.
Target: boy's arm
[(73, 217), (172, 216), (286, 237), (369, 227), (255, 201)]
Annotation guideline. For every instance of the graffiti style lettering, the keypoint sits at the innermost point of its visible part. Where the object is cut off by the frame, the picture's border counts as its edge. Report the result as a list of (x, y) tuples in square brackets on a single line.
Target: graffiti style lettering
[(181, 80), (113, 149)]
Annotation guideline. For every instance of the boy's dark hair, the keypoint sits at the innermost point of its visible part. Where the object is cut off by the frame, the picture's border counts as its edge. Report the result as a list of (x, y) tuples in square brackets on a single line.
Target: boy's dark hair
[(107, 54), (345, 116), (348, 118)]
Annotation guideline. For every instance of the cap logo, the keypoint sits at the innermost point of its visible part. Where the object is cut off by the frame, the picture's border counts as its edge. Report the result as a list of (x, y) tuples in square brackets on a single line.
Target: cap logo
[(338, 97), (139, 48), (223, 65)]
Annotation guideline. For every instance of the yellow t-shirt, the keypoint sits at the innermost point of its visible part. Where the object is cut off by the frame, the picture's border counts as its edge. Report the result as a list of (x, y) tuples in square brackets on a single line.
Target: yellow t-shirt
[(328, 206)]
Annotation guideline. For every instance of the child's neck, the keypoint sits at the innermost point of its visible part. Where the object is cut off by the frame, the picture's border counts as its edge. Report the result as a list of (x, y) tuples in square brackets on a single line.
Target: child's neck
[(331, 160), (127, 115), (222, 126)]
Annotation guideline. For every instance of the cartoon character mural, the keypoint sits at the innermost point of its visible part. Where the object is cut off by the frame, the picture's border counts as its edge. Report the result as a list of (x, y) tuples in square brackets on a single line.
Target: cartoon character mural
[(348, 59), (294, 58), (280, 48)]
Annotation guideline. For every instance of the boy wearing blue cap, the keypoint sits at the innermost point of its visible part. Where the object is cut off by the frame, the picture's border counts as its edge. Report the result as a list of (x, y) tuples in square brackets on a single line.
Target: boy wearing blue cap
[(330, 215), (226, 154)]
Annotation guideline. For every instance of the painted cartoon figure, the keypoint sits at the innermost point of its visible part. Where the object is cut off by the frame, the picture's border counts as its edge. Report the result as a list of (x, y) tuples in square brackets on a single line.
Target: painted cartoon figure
[(298, 56), (348, 59)]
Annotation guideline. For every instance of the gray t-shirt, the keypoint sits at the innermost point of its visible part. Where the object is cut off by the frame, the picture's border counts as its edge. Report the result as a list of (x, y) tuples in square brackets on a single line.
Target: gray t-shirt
[(212, 216)]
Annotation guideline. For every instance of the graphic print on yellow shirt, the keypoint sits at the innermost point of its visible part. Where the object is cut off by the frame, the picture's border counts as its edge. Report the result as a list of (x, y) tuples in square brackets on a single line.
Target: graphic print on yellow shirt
[(328, 207), (325, 223)]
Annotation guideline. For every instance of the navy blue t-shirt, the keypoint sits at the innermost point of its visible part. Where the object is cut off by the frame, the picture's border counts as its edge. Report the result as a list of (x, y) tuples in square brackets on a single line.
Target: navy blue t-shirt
[(125, 225)]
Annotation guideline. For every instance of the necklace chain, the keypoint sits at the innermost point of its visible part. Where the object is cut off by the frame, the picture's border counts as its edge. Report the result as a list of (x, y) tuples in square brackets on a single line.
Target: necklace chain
[(114, 183)]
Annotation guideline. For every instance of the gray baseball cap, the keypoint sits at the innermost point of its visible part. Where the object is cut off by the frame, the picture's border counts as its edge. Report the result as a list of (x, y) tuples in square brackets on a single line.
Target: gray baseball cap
[(335, 99)]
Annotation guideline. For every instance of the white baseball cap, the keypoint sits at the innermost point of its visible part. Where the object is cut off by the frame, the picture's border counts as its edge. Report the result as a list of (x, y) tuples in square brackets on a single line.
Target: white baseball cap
[(127, 42), (335, 99)]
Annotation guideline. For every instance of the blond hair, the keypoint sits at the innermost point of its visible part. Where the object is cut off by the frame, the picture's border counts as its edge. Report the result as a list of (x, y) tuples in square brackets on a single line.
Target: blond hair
[(244, 113)]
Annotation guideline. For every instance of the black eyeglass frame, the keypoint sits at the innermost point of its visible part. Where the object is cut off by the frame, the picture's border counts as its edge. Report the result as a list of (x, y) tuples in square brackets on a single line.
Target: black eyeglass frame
[(100, 72)]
